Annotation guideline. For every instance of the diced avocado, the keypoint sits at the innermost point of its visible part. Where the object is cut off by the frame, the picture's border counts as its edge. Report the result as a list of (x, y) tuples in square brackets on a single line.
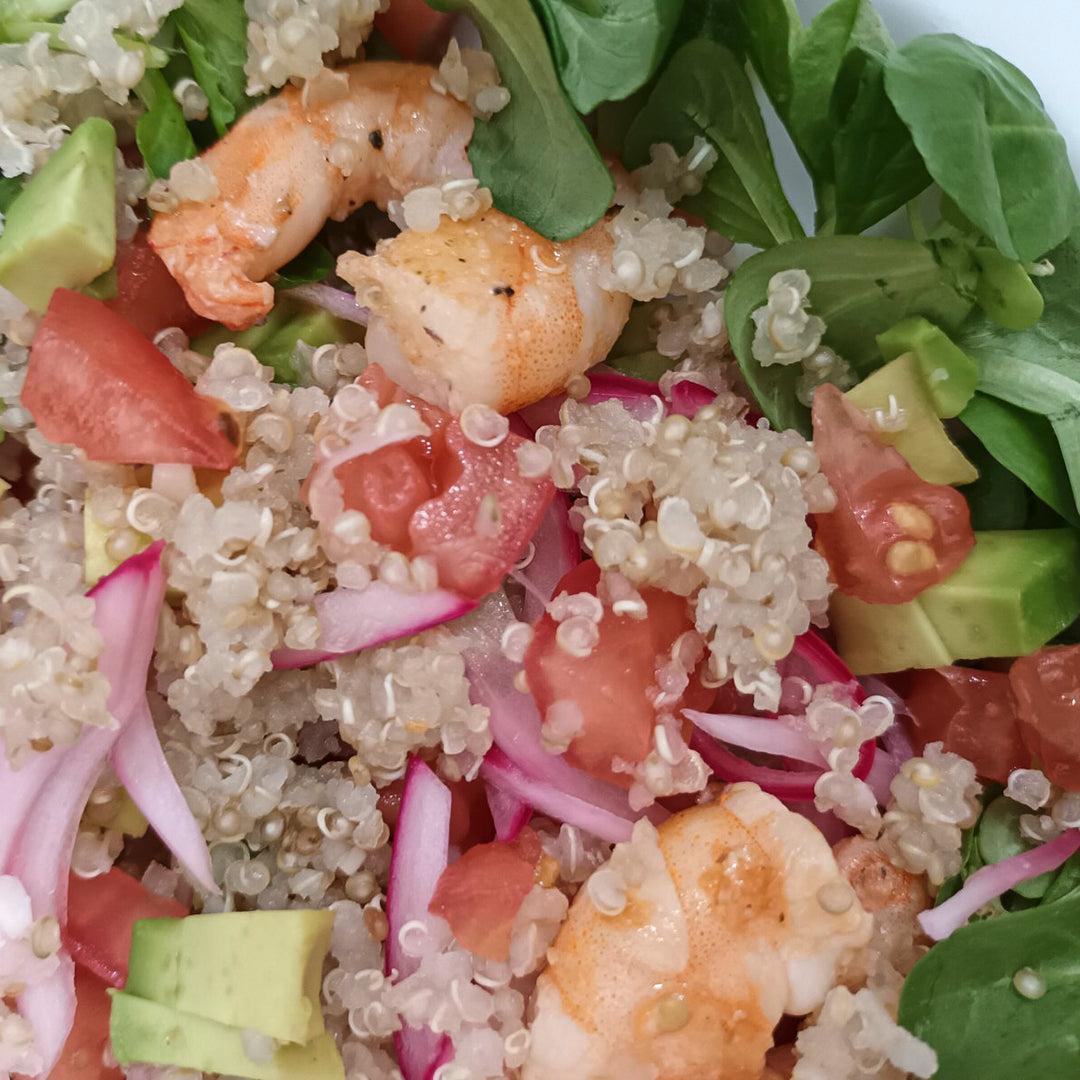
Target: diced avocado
[(1005, 291), (951, 375), (103, 287), (634, 352), (923, 443), (249, 969), (147, 1031), (97, 562), (1010, 596), (273, 341), (60, 231), (120, 814)]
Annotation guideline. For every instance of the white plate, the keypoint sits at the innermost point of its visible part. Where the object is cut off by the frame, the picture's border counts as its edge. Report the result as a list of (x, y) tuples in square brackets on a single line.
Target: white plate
[(1041, 37)]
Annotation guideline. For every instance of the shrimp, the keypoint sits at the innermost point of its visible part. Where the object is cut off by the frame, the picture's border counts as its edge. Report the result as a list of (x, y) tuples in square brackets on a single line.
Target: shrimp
[(735, 914), (486, 310), (370, 133)]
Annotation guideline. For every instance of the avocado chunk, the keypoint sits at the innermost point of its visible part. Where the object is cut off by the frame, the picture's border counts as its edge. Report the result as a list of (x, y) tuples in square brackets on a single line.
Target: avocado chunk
[(147, 1031), (273, 340), (60, 231), (923, 443), (247, 969), (1005, 291), (950, 374), (97, 562), (1010, 596)]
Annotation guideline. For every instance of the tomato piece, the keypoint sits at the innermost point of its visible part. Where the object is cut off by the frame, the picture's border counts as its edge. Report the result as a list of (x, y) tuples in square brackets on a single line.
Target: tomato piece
[(611, 687), (973, 712), (892, 534), (481, 894), (101, 913), (470, 817), (1047, 687), (465, 506), (83, 1056), (417, 31), (95, 381), (147, 295)]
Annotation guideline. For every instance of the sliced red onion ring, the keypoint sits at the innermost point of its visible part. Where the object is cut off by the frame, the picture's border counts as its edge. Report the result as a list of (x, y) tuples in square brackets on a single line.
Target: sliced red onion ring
[(140, 764), (991, 882), (556, 551), (688, 396), (762, 733), (18, 790), (640, 398), (500, 772), (508, 812), (419, 856), (127, 604), (338, 302), (813, 660), (355, 619)]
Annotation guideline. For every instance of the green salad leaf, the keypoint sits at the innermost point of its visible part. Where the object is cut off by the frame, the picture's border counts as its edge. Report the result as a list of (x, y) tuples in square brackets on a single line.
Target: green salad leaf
[(1039, 370), (767, 32), (860, 286), (1025, 444), (214, 36), (10, 186), (705, 91), (314, 263), (981, 128), (535, 155), (161, 134), (960, 997), (604, 50)]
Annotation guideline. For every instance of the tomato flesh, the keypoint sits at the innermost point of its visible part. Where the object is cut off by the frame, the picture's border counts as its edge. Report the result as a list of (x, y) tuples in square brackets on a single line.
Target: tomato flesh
[(481, 894), (147, 295), (95, 381), (611, 687), (83, 1056), (101, 913), (1047, 686), (429, 496), (892, 534), (417, 31), (973, 712)]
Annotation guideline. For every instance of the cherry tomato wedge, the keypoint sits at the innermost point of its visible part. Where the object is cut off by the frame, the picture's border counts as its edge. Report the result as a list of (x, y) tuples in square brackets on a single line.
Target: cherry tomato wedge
[(1047, 686), (83, 1056), (417, 31), (101, 913), (892, 534), (95, 381)]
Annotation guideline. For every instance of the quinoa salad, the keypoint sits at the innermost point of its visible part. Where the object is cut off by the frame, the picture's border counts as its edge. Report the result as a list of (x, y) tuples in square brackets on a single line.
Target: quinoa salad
[(485, 592)]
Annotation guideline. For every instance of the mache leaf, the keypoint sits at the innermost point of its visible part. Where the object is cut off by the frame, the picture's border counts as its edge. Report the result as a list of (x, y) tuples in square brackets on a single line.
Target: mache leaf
[(860, 286), (314, 263), (705, 91), (1039, 369), (161, 134), (214, 36), (535, 155), (604, 50), (981, 128), (768, 33), (960, 997)]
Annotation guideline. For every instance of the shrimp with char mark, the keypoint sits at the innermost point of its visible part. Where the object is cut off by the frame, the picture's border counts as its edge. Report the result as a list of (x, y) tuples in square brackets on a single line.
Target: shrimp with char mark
[(736, 914), (369, 133), (487, 311)]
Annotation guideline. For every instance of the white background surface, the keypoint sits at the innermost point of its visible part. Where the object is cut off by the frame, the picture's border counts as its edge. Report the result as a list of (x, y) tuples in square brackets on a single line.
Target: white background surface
[(1041, 37)]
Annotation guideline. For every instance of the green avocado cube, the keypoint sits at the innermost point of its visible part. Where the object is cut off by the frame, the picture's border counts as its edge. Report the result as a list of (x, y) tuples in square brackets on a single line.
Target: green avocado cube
[(248, 969), (1005, 290), (60, 231), (1010, 596), (147, 1031), (951, 376)]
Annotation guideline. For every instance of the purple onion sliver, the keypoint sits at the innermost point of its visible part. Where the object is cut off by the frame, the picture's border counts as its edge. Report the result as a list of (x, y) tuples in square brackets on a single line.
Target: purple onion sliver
[(990, 882), (688, 397), (355, 619), (49, 1007), (338, 302), (508, 812), (556, 551), (418, 858), (142, 768), (789, 786), (881, 774), (18, 790), (762, 733)]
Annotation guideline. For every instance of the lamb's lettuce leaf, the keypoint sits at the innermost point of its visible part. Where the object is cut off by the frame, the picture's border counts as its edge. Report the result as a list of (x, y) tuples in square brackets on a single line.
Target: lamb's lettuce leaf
[(161, 134)]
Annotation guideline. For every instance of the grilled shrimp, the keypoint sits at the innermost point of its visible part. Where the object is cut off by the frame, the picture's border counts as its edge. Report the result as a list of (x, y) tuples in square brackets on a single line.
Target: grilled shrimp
[(370, 133), (735, 913), (486, 310)]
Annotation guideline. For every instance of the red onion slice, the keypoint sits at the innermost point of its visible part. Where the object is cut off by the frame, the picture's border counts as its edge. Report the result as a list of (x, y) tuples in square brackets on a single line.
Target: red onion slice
[(338, 302), (355, 619), (18, 790), (509, 813), (688, 396), (762, 733), (49, 1007), (140, 764), (556, 551), (813, 660), (990, 882), (640, 398), (419, 856), (500, 772)]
